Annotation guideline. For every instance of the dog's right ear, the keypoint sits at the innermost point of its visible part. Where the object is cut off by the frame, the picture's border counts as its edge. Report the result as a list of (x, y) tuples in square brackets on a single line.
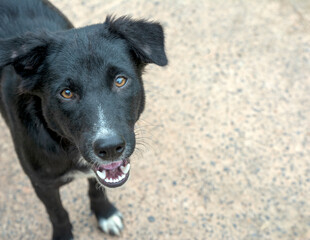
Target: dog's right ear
[(26, 54)]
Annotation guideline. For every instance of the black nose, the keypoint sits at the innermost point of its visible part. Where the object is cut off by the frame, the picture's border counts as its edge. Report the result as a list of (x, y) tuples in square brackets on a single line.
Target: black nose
[(109, 148)]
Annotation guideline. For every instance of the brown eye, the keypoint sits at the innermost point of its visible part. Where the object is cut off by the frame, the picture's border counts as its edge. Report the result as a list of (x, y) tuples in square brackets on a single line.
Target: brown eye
[(120, 81), (67, 94)]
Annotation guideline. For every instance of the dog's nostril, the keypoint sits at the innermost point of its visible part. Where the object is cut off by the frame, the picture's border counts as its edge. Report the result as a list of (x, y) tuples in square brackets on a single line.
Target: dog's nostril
[(120, 149), (102, 153)]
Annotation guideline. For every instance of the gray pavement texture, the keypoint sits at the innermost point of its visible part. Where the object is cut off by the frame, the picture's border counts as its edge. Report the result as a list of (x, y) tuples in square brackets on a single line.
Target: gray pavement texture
[(224, 143)]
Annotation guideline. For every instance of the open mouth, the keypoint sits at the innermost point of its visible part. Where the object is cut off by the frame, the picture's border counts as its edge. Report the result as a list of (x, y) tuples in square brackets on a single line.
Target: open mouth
[(113, 174)]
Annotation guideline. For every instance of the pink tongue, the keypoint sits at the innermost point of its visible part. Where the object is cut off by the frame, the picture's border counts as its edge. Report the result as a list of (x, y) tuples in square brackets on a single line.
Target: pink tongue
[(112, 165)]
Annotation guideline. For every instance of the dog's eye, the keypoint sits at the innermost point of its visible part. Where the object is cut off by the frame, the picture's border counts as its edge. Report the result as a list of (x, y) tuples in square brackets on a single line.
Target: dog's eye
[(66, 93), (120, 81)]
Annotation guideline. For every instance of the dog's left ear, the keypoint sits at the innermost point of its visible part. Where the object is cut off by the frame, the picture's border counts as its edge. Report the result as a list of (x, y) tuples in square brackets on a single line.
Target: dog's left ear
[(145, 38)]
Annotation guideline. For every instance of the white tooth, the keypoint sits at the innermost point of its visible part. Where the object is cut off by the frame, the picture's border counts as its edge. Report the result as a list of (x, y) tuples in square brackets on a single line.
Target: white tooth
[(102, 174), (119, 178), (123, 176), (125, 169), (107, 180)]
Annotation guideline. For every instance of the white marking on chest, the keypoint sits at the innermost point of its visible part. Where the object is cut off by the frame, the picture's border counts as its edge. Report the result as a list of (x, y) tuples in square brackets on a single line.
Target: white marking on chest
[(75, 174)]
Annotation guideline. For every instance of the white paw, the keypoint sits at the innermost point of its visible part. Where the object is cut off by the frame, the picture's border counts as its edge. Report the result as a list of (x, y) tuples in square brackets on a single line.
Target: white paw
[(113, 225)]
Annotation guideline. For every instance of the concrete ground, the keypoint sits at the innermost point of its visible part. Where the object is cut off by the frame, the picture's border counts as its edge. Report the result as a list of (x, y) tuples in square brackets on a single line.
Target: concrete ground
[(224, 142)]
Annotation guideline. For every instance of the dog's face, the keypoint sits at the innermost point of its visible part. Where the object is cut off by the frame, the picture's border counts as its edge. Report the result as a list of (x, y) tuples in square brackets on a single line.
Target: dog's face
[(90, 87), (94, 97)]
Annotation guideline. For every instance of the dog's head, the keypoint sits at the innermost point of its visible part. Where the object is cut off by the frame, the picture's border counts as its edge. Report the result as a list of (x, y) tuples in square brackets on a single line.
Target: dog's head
[(87, 83)]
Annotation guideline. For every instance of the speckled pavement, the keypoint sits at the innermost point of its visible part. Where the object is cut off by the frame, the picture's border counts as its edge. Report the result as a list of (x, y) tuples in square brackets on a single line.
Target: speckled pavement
[(224, 143)]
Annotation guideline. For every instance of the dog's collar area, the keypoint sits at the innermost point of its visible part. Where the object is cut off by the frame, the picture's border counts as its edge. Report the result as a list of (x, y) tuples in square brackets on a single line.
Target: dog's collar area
[(113, 174)]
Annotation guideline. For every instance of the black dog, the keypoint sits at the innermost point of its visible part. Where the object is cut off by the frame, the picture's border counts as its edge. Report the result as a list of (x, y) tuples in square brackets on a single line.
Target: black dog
[(71, 98)]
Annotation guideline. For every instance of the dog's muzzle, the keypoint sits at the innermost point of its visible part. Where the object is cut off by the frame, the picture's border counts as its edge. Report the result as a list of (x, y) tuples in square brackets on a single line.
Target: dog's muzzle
[(113, 174)]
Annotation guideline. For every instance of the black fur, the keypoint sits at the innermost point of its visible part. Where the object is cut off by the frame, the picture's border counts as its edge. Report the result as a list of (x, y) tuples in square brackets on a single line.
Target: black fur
[(40, 55)]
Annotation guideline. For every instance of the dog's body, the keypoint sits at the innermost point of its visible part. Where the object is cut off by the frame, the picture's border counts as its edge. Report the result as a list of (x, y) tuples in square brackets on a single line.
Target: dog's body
[(71, 98)]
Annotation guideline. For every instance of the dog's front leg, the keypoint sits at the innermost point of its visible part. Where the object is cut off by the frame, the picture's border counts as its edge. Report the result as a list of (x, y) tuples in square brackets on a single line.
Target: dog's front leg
[(109, 219), (62, 228)]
